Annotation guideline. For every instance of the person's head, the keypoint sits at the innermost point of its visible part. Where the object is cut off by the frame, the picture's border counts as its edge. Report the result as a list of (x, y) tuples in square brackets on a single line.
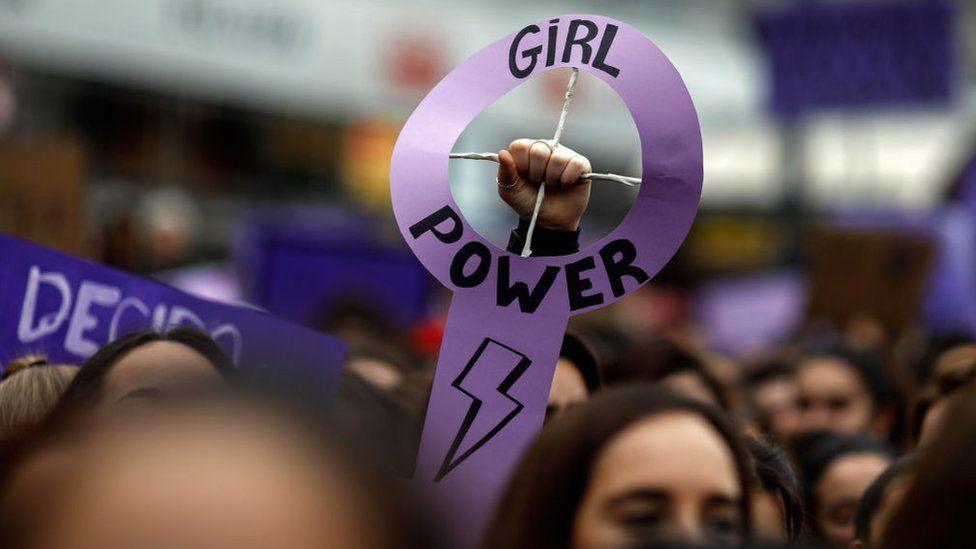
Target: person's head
[(845, 392), (226, 472), (383, 365), (954, 369), (939, 506), (666, 363), (774, 395), (880, 501), (576, 377), (29, 388), (632, 465), (777, 508), (837, 470), (145, 367)]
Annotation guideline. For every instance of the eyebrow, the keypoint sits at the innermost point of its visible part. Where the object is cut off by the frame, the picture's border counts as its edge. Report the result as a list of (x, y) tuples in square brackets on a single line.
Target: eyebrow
[(145, 392), (639, 494)]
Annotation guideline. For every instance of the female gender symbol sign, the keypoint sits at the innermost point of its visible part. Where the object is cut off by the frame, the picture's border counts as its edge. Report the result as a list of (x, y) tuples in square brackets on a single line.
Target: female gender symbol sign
[(508, 313)]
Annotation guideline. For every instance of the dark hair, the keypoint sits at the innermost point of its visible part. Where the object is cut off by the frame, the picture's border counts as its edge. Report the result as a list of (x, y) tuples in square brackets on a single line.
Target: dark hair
[(86, 388), (655, 360), (579, 353), (938, 509), (540, 501), (953, 370), (767, 370), (868, 368), (822, 450), (774, 473), (871, 500)]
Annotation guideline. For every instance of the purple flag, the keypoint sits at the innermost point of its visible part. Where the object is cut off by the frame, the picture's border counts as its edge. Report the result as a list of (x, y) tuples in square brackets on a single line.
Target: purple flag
[(67, 308)]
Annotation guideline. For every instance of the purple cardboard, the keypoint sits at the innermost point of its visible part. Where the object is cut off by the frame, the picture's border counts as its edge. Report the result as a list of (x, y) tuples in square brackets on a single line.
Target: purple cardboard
[(508, 314), (66, 308)]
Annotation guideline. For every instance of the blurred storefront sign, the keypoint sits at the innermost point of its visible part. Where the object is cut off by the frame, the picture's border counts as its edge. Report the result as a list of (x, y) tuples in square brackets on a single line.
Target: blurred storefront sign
[(366, 163), (949, 293), (322, 58), (858, 54), (734, 243), (44, 205)]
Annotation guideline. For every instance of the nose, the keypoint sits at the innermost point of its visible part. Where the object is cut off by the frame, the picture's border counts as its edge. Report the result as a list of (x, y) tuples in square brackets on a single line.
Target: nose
[(687, 527), (816, 418)]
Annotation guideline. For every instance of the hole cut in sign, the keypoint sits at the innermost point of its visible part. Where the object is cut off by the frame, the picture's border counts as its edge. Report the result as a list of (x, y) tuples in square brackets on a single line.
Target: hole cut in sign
[(598, 126)]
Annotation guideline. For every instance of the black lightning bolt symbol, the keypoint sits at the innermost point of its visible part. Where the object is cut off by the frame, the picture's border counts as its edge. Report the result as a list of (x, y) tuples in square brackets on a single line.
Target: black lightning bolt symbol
[(482, 389)]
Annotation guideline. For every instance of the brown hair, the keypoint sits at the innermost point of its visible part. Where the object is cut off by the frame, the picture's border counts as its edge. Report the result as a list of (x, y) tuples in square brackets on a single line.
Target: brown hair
[(657, 359), (29, 390), (938, 510), (954, 369), (538, 506)]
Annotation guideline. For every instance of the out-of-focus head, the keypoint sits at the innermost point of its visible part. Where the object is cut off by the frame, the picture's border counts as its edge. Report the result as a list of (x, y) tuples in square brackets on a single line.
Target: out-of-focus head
[(665, 362), (146, 367), (384, 365), (846, 392), (939, 505), (576, 377), (954, 369), (29, 388), (202, 474), (880, 501), (774, 394), (358, 319), (777, 506), (837, 470), (631, 466)]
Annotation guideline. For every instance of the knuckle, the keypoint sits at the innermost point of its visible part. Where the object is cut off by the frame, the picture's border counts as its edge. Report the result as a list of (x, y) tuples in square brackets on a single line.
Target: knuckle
[(580, 163), (539, 151)]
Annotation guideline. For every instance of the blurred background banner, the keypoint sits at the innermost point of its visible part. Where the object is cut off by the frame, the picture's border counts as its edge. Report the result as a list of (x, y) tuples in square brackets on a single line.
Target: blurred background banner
[(303, 266), (239, 149), (859, 54)]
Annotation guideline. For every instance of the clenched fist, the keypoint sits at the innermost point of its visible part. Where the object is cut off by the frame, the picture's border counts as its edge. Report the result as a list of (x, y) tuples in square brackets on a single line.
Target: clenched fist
[(529, 163)]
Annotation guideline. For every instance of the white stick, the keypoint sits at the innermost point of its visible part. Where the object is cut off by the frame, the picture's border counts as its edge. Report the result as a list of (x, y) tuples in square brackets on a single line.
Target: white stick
[(541, 193), (614, 178)]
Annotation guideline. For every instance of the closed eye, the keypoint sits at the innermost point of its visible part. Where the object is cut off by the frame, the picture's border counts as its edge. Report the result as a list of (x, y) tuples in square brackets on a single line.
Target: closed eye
[(147, 393)]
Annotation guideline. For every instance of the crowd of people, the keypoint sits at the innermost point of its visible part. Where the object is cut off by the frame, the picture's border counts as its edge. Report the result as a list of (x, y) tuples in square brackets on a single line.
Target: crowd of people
[(650, 439)]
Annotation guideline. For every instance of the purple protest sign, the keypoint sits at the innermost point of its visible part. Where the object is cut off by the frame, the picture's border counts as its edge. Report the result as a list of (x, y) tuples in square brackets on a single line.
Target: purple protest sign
[(66, 308), (508, 314)]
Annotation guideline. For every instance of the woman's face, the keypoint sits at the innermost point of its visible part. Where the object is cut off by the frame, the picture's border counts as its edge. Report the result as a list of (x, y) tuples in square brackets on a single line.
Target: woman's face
[(568, 388), (155, 371), (778, 403), (669, 477), (768, 521), (839, 492), (207, 478), (833, 398)]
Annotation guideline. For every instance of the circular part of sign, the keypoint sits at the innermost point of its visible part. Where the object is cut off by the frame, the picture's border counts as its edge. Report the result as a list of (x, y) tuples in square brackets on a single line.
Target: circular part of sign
[(658, 101)]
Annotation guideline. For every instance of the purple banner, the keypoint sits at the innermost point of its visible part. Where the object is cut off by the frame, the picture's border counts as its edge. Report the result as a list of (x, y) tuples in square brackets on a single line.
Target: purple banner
[(509, 313), (67, 308), (858, 54)]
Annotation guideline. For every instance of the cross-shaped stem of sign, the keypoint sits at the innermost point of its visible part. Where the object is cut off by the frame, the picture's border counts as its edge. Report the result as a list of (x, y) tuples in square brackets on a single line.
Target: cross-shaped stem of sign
[(540, 195)]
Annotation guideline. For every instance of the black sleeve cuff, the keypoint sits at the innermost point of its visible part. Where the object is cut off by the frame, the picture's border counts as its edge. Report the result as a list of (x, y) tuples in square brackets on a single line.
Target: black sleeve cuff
[(545, 242)]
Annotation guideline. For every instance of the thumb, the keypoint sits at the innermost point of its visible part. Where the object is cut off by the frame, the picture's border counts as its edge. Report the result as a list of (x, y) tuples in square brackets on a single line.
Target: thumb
[(507, 174)]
